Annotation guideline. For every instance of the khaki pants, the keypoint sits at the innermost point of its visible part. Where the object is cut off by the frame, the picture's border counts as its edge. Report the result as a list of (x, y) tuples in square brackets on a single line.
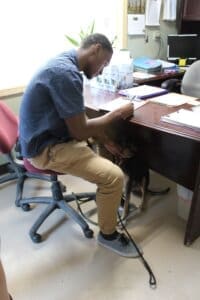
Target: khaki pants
[(77, 159)]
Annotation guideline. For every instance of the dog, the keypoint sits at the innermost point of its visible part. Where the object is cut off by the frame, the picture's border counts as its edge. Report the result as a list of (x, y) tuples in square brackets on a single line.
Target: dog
[(126, 152), (129, 153)]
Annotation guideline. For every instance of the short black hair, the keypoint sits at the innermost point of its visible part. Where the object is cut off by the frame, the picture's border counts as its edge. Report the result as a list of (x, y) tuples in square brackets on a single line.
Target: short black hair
[(97, 38)]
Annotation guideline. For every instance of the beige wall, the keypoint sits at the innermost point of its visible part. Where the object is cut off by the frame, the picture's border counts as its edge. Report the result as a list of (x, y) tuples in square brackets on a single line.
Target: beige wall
[(138, 46), (14, 103)]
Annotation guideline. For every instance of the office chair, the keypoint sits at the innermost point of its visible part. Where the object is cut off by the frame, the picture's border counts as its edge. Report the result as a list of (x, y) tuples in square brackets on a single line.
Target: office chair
[(190, 83), (191, 80), (23, 170), (8, 137)]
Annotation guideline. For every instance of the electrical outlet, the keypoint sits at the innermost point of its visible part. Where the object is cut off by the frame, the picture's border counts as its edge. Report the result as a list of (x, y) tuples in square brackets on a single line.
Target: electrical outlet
[(156, 35)]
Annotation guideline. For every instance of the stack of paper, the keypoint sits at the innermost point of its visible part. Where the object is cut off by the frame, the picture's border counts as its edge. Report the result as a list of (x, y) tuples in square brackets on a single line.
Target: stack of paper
[(147, 65), (174, 99), (184, 117), (196, 108), (142, 75), (143, 92), (168, 65)]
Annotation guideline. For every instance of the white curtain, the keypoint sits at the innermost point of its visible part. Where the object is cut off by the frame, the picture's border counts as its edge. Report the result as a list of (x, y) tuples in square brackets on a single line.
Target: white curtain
[(153, 12), (169, 10)]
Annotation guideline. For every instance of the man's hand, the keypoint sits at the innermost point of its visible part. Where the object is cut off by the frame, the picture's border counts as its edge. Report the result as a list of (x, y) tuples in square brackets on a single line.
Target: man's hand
[(103, 136), (125, 111), (82, 128)]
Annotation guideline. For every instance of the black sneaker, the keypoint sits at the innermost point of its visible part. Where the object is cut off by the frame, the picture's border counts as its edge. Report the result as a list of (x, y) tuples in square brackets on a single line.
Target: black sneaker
[(120, 245)]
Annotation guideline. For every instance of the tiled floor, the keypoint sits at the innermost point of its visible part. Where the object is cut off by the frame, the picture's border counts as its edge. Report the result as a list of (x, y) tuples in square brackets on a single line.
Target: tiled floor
[(68, 266)]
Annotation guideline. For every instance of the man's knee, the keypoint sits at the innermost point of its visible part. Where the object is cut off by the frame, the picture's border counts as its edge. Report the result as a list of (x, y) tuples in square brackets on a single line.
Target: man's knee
[(117, 176)]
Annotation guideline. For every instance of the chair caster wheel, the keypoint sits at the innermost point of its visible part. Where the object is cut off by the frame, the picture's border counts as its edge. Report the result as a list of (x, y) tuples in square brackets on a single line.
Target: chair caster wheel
[(17, 203), (25, 207), (63, 187), (36, 238), (88, 233)]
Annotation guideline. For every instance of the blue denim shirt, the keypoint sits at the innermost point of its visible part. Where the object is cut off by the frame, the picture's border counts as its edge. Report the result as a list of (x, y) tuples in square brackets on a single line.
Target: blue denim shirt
[(53, 94)]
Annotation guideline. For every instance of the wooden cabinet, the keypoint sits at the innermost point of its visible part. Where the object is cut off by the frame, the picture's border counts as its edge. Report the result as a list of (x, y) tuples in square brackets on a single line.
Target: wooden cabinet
[(188, 16), (191, 10)]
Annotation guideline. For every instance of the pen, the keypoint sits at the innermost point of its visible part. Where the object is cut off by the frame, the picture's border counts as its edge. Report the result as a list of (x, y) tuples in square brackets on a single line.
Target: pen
[(134, 98)]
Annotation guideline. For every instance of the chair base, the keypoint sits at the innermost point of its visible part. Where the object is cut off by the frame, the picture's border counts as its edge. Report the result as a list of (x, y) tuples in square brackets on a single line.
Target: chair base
[(8, 177), (57, 201)]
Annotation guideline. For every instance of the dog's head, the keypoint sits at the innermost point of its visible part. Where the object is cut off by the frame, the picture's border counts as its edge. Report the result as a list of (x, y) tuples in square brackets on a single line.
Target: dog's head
[(135, 167), (122, 139)]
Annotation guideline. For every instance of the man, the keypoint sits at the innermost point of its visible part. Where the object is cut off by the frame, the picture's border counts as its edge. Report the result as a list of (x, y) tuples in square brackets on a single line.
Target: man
[(54, 129)]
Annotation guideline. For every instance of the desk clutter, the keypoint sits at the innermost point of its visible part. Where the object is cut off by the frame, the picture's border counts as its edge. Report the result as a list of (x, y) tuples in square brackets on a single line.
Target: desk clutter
[(136, 95), (122, 70), (184, 117), (140, 94), (143, 94)]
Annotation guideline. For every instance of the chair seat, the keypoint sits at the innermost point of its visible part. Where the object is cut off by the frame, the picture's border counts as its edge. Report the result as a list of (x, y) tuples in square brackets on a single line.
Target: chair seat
[(29, 167)]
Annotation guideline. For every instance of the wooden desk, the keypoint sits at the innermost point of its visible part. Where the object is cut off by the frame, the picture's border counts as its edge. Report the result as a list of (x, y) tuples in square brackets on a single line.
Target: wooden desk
[(160, 77), (171, 150)]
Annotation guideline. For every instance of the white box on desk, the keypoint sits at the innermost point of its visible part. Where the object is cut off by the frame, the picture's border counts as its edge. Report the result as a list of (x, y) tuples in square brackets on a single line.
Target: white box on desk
[(113, 79), (117, 75), (184, 201)]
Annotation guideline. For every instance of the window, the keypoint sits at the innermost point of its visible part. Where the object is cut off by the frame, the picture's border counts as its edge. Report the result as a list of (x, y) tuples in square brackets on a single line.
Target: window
[(33, 31)]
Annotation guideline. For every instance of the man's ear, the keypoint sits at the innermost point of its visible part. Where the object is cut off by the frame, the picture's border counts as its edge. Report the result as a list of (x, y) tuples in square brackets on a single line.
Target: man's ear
[(96, 48)]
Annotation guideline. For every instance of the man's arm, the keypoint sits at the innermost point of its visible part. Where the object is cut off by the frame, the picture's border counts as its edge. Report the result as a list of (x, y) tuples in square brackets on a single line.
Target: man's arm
[(82, 128)]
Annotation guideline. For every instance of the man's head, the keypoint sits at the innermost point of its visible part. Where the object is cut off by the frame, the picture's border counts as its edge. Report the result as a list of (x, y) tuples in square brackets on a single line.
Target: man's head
[(94, 54)]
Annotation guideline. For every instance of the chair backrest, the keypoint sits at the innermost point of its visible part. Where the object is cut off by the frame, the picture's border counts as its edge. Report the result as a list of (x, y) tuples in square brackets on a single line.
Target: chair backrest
[(8, 128), (191, 81)]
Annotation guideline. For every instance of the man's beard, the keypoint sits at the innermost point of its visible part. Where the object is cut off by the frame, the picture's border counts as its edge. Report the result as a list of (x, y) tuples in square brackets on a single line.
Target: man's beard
[(88, 74)]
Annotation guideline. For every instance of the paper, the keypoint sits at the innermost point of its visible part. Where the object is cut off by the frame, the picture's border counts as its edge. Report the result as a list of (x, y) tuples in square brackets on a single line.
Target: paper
[(141, 75), (173, 99), (196, 108), (169, 10), (167, 65), (184, 117), (119, 102), (194, 102), (153, 12), (136, 24), (143, 91)]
